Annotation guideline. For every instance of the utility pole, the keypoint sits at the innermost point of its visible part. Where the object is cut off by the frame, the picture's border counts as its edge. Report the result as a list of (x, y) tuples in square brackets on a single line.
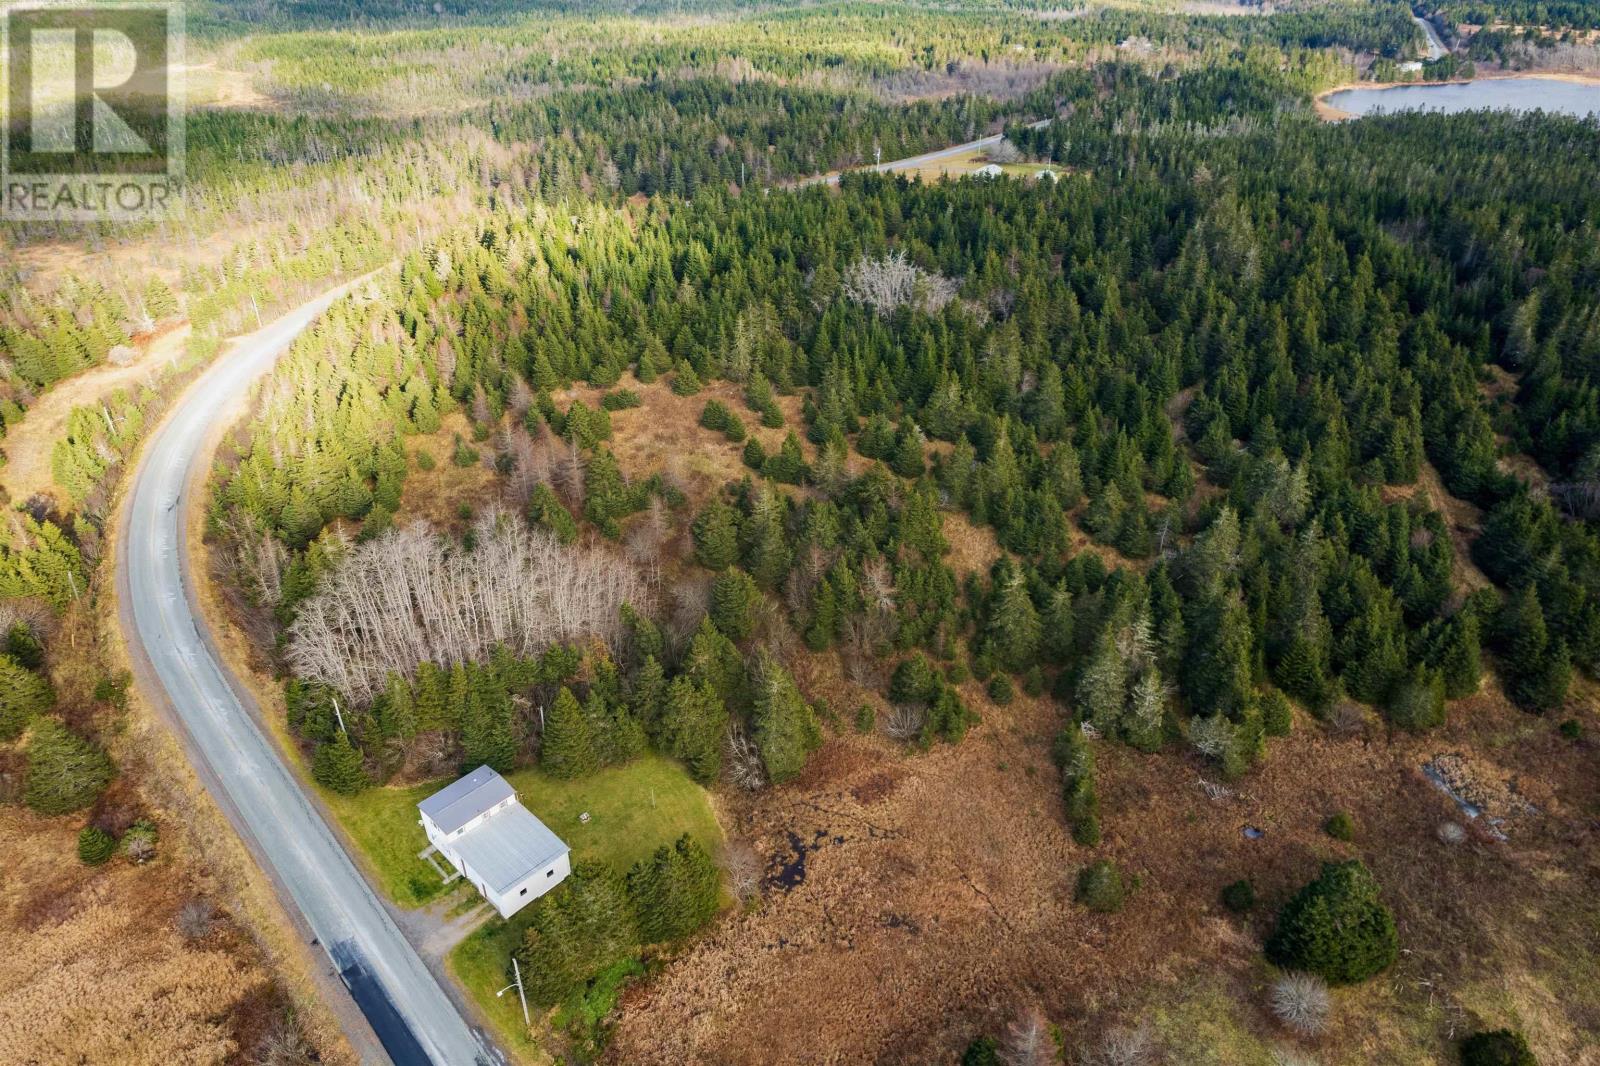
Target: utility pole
[(517, 984)]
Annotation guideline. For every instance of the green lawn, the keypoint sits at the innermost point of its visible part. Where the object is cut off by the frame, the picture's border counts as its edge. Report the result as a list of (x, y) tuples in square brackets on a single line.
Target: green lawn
[(633, 810)]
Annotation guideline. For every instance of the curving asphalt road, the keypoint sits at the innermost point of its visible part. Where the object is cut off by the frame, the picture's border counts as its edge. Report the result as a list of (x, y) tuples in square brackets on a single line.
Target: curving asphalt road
[(409, 1011), (912, 162)]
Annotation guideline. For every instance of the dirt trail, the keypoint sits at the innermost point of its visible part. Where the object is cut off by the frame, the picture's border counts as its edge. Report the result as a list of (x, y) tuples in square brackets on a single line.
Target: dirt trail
[(28, 443)]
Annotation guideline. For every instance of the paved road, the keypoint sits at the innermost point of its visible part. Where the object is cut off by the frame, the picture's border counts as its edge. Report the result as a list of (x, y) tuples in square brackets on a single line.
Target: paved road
[(408, 1010), (1436, 49), (912, 162)]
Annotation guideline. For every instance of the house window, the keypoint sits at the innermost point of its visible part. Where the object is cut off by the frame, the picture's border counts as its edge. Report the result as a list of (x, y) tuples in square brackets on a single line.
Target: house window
[(524, 892), (549, 873)]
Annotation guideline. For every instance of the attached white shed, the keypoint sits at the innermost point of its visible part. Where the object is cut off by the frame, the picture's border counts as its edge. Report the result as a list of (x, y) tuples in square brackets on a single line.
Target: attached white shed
[(494, 841)]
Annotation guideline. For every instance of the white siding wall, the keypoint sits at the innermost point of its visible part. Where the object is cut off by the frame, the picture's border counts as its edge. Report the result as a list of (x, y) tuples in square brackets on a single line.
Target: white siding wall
[(535, 885)]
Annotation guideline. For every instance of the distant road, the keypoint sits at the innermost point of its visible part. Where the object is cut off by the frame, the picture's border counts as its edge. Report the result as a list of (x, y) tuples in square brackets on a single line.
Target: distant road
[(408, 1010), (912, 162), (1436, 48)]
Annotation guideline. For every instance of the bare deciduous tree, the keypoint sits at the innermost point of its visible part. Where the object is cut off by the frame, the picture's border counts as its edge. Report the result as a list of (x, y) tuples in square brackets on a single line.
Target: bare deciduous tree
[(409, 597), (744, 870), (284, 1045), (904, 721), (893, 281), (1028, 1041), (1300, 1002), (743, 759), (1122, 1047)]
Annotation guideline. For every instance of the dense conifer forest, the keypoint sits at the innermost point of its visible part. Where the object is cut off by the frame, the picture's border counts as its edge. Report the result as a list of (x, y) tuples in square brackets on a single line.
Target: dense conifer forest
[(1208, 436)]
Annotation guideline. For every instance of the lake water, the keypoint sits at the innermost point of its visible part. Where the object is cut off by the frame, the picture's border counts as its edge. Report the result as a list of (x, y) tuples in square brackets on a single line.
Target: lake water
[(1502, 94)]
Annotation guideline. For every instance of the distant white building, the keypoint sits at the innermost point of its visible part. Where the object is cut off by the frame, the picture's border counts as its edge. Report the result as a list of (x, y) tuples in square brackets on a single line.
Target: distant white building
[(1411, 67), (988, 170), (494, 841), (1049, 175)]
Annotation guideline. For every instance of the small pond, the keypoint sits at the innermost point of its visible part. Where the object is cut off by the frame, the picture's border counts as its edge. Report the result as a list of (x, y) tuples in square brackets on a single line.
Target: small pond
[(1506, 94)]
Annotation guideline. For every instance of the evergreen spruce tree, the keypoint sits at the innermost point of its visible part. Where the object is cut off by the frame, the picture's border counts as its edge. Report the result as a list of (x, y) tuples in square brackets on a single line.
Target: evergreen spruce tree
[(396, 710), (65, 771), (734, 597), (548, 513), (786, 730), (716, 536), (487, 738), (1459, 659), (568, 748), (693, 723), (1336, 927), (1013, 629), (23, 695), (337, 765), (1103, 687), (907, 459), (674, 892)]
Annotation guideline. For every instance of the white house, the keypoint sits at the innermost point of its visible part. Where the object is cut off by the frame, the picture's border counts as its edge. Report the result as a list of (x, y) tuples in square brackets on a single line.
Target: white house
[(988, 170), (494, 841)]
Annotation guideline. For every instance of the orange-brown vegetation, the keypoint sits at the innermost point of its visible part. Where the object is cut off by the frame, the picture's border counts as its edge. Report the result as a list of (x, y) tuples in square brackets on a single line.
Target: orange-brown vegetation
[(916, 900), (97, 968)]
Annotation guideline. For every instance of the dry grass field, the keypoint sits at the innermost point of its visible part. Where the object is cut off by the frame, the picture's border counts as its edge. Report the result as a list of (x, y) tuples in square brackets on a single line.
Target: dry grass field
[(98, 967), (914, 901)]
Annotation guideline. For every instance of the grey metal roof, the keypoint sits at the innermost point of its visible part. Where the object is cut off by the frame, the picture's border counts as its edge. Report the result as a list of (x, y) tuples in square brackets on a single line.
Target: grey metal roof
[(457, 804), (508, 847)]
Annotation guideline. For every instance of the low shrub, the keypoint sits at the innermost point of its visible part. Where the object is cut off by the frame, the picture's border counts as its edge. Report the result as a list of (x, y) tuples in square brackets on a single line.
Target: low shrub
[(95, 846), (1340, 826), (983, 1051), (1572, 729), (1300, 1001), (1000, 690), (866, 719), (139, 842), (620, 400), (1240, 896), (1100, 887), (1497, 1047)]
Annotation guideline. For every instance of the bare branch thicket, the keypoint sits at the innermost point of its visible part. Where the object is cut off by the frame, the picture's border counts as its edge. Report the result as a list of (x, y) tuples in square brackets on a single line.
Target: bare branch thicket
[(858, 650), (1028, 1041), (904, 721), (1300, 1001), (647, 537), (691, 602), (409, 597), (1123, 1046), (1451, 833), (520, 398), (773, 630), (1211, 735), (743, 759), (569, 475), (284, 1045), (1003, 151), (893, 281), (529, 465), (744, 870), (31, 614), (430, 755), (196, 917)]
